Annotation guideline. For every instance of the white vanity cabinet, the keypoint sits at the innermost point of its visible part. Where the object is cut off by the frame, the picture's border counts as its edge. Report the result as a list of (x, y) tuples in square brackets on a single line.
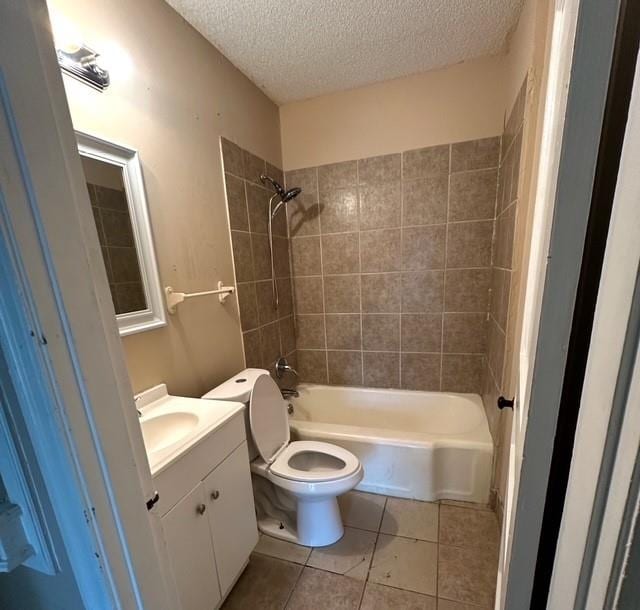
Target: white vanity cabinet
[(208, 517)]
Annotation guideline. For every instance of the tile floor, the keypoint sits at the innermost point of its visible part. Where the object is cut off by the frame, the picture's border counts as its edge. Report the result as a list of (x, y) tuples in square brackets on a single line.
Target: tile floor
[(395, 555)]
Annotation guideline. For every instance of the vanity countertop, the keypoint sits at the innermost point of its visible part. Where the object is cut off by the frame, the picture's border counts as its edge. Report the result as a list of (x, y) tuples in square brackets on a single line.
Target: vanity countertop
[(173, 425)]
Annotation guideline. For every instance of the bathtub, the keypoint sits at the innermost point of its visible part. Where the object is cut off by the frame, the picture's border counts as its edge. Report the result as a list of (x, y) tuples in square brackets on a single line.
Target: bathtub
[(421, 445)]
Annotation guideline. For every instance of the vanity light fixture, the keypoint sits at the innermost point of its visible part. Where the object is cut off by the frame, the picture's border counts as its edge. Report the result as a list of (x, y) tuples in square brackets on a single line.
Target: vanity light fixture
[(80, 62)]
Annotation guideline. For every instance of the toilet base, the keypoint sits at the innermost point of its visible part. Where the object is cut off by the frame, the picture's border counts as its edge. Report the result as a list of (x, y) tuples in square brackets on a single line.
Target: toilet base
[(319, 523)]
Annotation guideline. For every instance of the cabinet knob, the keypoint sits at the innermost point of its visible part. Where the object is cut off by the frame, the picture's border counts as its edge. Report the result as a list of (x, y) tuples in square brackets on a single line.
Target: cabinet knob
[(200, 509), (215, 494)]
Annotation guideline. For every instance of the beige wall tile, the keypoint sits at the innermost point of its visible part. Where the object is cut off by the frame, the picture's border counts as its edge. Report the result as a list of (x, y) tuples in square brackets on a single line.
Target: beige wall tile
[(422, 291), (469, 244), (345, 368), (270, 342), (473, 195), (420, 372), (500, 286), (340, 253), (385, 168), (421, 332), (310, 331), (237, 202), (475, 154), (242, 258), (261, 256), (342, 293), (343, 331), (462, 373), (339, 210), (285, 297), (381, 369), (264, 296), (254, 167), (252, 349), (287, 335), (304, 216), (495, 350), (312, 365), (232, 158), (503, 249), (337, 175), (248, 305), (467, 290), (380, 205), (305, 256), (424, 201), (423, 247), (305, 178), (423, 162), (381, 293), (258, 206), (308, 294), (281, 259), (464, 333), (381, 332), (380, 250)]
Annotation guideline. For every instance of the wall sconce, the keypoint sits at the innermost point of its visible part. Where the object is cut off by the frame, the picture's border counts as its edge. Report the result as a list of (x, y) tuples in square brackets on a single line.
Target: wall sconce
[(81, 62)]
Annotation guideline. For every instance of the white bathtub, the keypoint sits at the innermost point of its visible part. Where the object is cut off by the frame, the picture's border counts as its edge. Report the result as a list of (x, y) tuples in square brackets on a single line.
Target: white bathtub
[(422, 445)]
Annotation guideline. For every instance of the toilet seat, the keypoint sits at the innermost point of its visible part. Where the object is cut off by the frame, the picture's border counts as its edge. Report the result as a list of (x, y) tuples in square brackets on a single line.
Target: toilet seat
[(314, 461)]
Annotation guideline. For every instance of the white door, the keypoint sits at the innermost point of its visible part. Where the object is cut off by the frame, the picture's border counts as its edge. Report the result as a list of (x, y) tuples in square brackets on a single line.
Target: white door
[(232, 515), (560, 61), (46, 212), (186, 530)]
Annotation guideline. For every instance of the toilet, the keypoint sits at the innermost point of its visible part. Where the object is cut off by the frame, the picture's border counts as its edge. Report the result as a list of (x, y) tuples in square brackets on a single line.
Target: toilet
[(296, 483)]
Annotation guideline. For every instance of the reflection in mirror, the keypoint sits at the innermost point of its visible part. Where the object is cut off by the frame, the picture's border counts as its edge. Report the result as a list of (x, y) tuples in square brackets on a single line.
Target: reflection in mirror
[(113, 222)]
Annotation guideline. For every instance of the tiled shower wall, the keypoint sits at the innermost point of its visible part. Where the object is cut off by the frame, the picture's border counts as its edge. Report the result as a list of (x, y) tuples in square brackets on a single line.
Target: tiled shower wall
[(267, 332), (391, 260), (505, 267)]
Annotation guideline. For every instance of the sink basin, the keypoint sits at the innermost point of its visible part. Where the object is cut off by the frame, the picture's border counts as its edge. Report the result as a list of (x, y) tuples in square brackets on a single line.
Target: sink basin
[(162, 431)]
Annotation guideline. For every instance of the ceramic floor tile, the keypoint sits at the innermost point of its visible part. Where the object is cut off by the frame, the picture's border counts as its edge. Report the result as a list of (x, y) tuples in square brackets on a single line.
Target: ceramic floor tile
[(266, 583), (274, 547), (468, 527), (318, 589), (446, 604), (406, 564), (467, 575), (462, 504), (350, 556), (379, 597), (362, 510), (411, 519)]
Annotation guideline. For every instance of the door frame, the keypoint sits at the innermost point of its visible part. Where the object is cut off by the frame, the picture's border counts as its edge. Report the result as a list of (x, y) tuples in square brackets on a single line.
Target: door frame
[(56, 243), (533, 544)]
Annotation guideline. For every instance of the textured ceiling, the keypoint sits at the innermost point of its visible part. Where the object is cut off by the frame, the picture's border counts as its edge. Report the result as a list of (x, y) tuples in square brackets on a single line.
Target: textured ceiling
[(296, 49)]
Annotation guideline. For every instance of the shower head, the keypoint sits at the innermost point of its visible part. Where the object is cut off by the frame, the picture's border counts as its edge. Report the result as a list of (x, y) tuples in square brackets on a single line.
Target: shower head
[(285, 196)]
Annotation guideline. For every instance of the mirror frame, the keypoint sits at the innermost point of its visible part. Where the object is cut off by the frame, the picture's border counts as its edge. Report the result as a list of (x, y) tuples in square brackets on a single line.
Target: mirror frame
[(129, 162)]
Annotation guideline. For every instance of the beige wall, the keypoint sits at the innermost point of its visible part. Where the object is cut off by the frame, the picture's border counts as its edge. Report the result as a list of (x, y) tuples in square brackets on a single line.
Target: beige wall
[(461, 102), (171, 98)]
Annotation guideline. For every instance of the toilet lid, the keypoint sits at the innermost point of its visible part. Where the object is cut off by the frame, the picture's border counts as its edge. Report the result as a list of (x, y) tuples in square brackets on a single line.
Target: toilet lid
[(268, 418)]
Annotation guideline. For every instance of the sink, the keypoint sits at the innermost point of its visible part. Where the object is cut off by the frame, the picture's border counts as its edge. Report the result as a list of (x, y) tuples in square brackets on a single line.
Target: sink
[(162, 431)]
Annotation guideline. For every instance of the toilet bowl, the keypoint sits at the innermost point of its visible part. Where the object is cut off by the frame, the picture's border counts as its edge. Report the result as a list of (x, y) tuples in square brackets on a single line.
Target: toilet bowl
[(296, 483)]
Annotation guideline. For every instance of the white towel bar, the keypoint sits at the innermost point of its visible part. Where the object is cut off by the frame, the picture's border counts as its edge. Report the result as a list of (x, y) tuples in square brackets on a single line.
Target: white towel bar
[(175, 298)]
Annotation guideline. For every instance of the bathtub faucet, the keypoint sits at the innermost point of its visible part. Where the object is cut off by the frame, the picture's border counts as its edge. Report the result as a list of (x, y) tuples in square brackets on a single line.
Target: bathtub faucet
[(282, 367), (289, 393)]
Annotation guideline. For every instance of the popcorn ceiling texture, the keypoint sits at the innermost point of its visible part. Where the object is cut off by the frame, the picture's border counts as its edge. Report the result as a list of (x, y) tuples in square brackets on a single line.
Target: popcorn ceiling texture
[(298, 49)]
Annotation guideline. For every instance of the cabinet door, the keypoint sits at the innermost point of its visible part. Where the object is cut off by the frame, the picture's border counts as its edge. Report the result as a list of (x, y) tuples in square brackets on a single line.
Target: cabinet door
[(186, 530), (232, 516)]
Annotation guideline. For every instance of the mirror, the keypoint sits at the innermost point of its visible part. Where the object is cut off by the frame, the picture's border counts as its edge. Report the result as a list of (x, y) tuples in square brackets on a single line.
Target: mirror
[(116, 192)]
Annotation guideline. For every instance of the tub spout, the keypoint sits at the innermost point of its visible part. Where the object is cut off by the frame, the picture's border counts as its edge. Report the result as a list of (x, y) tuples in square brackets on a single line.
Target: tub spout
[(282, 367), (289, 393)]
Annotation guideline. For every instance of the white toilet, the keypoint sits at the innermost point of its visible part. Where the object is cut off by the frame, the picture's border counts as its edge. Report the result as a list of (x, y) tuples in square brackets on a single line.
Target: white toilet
[(296, 484)]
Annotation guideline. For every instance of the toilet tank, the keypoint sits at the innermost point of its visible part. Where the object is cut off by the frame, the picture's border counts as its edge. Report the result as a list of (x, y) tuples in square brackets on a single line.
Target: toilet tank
[(238, 389)]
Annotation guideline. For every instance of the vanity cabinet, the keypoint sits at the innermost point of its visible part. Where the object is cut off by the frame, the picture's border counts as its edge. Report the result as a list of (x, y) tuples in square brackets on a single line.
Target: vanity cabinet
[(211, 530), (232, 518)]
